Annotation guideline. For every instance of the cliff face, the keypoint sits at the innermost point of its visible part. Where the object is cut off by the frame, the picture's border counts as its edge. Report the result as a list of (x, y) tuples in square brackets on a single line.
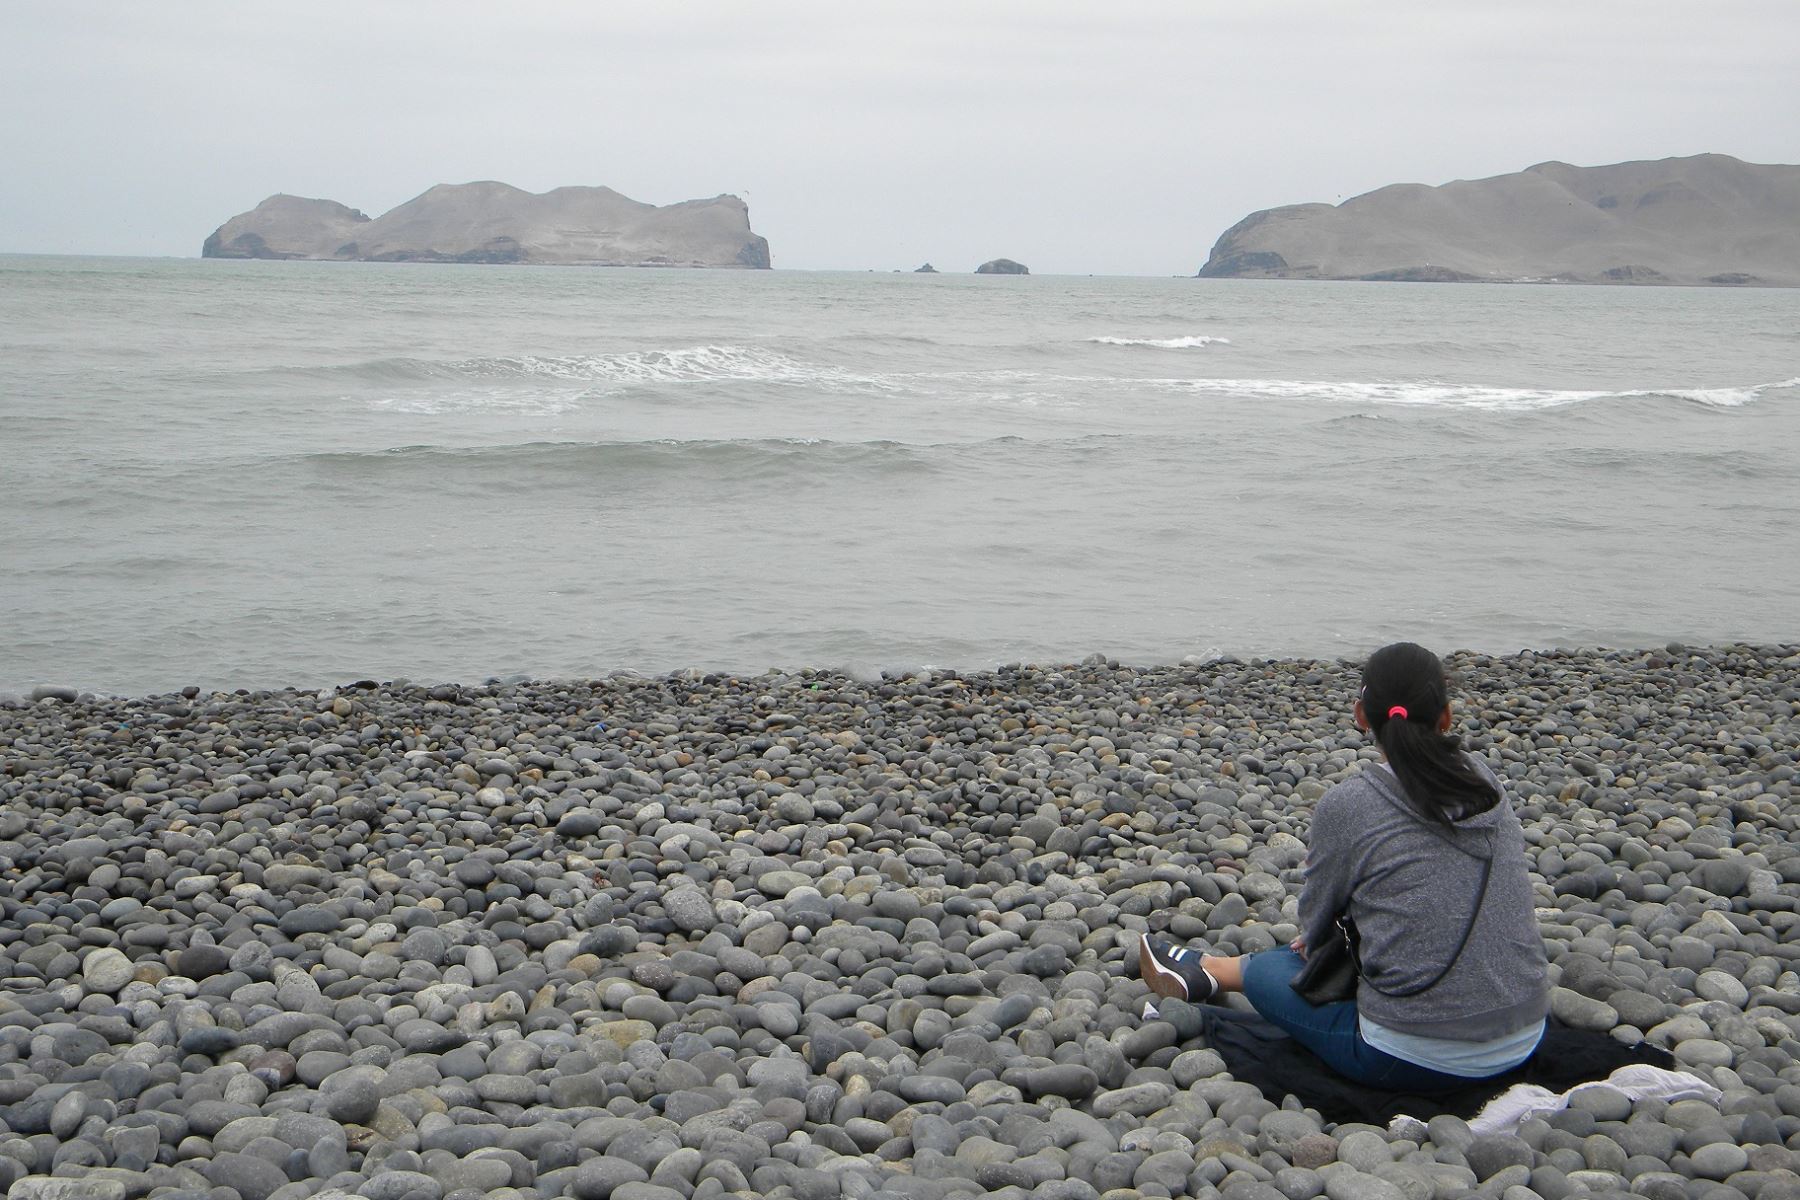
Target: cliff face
[(495, 223), (1710, 219), (286, 227)]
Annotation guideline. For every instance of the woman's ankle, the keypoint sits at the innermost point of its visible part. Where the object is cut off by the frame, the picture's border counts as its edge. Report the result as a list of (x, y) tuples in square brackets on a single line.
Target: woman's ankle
[(1229, 972)]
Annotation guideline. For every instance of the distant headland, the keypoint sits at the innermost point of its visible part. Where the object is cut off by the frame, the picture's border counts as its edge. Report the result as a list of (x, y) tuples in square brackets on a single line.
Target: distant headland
[(496, 223), (1709, 219)]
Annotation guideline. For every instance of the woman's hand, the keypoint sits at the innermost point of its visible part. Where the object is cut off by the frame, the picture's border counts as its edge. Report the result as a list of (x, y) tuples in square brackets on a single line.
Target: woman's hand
[(1298, 945)]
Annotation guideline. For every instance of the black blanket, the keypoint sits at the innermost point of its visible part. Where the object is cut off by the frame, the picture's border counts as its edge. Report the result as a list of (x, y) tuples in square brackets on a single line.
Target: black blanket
[(1258, 1052)]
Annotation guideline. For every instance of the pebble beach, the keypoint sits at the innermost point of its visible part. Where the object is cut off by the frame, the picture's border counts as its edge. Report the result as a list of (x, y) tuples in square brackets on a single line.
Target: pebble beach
[(814, 936)]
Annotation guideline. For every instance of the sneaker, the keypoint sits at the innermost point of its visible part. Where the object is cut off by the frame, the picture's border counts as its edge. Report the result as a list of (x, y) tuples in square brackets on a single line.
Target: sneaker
[(1173, 970)]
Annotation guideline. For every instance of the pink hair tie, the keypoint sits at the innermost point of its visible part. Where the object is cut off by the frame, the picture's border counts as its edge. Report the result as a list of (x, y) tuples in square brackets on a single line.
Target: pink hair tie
[(1398, 710)]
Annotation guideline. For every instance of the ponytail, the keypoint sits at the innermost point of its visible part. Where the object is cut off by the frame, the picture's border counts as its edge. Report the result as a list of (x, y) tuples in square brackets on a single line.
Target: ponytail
[(1404, 694)]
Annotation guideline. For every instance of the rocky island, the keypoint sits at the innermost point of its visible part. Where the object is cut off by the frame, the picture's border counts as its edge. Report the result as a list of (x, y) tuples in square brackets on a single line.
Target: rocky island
[(496, 223), (1002, 266), (1708, 219)]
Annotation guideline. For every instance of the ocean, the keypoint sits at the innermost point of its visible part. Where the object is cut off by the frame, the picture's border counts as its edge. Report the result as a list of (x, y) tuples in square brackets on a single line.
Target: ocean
[(255, 474)]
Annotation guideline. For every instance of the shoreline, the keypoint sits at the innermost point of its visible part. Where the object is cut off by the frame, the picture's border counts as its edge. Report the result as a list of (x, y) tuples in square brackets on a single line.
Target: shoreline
[(799, 934), (21, 696)]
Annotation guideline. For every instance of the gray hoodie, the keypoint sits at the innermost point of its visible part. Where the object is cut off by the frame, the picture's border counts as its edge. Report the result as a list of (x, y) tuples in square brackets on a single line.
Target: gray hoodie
[(1411, 887)]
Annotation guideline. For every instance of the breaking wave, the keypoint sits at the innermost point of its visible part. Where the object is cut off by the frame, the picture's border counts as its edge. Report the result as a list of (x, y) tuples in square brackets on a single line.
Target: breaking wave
[(1174, 343), (1473, 396), (696, 364), (540, 384), (1720, 397)]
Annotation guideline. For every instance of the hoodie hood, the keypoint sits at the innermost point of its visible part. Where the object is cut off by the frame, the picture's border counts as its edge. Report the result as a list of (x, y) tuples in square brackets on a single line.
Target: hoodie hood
[(1475, 834)]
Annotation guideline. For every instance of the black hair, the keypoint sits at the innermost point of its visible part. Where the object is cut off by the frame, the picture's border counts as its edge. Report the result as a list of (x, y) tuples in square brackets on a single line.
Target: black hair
[(1404, 694)]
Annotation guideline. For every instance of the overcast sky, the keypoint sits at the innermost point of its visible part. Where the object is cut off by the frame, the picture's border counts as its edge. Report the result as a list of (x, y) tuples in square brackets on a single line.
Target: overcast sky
[(1113, 136)]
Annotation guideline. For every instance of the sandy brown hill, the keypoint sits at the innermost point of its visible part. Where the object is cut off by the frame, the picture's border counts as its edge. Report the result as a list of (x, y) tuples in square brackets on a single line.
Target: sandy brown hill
[(496, 223), (1710, 219)]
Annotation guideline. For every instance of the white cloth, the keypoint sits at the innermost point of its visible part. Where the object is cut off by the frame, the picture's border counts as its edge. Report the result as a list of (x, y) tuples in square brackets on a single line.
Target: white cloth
[(1523, 1101)]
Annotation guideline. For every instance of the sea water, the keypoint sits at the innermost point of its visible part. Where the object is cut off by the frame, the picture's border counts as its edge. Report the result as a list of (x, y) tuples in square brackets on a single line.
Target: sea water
[(238, 474)]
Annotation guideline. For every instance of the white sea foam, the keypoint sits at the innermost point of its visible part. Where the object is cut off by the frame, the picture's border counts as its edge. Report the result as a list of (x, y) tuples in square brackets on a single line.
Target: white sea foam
[(688, 365), (1428, 393), (1175, 343), (534, 385), (535, 403)]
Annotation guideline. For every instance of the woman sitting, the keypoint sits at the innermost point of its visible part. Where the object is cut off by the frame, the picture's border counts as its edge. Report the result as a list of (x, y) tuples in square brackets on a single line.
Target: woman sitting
[(1427, 858)]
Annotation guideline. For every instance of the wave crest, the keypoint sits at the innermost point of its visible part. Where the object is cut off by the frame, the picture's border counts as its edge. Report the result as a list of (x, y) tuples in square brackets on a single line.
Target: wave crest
[(1174, 343), (1428, 393), (784, 458), (1720, 397), (690, 365), (553, 385)]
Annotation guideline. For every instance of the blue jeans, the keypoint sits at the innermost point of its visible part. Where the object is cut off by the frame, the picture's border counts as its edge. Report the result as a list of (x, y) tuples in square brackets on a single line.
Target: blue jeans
[(1330, 1030)]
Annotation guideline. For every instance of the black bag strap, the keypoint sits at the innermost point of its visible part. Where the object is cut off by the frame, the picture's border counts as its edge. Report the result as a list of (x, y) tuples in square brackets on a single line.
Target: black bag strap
[(1487, 867)]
